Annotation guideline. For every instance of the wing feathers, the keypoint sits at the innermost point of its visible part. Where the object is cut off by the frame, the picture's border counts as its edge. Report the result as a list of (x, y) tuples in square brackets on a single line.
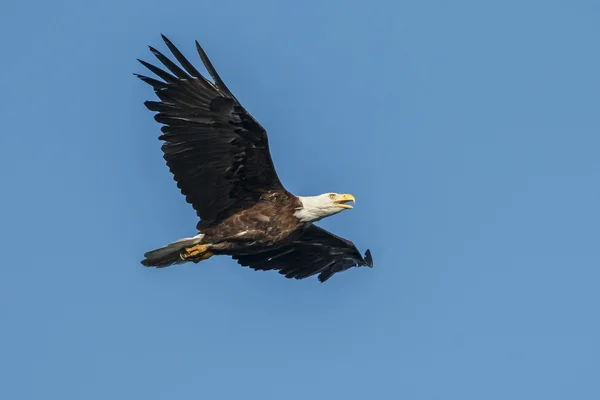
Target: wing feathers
[(178, 72), (209, 137), (159, 72), (157, 85), (317, 251), (212, 71), (181, 58)]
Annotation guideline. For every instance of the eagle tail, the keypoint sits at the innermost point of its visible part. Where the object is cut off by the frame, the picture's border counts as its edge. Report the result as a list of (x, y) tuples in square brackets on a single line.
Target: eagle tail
[(173, 253)]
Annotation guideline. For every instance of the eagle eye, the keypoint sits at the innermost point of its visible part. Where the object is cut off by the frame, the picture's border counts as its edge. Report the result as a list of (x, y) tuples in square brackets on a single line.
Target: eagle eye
[(332, 196)]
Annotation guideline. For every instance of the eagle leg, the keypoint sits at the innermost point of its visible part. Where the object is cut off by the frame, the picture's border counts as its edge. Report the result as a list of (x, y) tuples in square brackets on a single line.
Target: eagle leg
[(196, 253)]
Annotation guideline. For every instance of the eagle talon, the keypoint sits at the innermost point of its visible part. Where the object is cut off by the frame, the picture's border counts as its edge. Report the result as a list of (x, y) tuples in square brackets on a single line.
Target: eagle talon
[(204, 256), (196, 253)]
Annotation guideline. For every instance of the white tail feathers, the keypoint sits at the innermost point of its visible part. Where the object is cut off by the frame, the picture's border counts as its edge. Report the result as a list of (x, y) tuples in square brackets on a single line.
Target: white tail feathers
[(171, 253)]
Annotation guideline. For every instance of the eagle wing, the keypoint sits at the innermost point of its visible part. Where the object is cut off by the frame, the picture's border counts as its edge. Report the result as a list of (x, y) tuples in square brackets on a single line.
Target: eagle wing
[(218, 153), (317, 251)]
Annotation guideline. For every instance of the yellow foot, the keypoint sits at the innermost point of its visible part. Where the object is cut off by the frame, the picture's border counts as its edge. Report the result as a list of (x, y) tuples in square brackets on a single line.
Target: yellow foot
[(197, 253), (204, 256)]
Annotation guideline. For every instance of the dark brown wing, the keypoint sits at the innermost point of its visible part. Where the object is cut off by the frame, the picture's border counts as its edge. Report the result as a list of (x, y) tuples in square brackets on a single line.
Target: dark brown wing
[(317, 251), (217, 152)]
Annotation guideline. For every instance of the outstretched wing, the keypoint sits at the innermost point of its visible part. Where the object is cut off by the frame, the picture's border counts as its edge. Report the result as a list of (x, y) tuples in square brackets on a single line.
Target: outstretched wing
[(317, 251), (217, 152)]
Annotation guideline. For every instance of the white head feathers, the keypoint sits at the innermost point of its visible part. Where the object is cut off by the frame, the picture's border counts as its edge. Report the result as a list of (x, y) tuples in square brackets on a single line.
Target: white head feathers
[(315, 208)]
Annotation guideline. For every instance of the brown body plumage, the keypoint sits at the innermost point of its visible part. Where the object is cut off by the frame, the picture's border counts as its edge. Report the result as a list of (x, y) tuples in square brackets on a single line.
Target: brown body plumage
[(254, 229), (219, 156)]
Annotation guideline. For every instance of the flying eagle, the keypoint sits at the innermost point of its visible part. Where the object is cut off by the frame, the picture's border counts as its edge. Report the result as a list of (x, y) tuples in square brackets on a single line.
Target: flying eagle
[(219, 156)]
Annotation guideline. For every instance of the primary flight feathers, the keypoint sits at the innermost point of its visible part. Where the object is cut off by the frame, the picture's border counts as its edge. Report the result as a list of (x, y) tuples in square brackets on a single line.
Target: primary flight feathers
[(219, 156)]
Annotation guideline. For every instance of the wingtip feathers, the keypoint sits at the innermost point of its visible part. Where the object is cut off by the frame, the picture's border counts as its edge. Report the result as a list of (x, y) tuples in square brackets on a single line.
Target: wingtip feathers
[(166, 40), (368, 258)]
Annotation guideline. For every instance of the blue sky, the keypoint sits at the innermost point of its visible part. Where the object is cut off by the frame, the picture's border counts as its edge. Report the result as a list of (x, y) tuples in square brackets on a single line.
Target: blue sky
[(468, 131)]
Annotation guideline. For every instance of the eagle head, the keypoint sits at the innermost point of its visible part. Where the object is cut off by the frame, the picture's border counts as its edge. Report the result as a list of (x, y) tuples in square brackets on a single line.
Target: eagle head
[(318, 207)]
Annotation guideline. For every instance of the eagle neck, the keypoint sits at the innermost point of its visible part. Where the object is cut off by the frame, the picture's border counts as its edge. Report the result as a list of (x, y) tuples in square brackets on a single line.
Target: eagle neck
[(308, 211)]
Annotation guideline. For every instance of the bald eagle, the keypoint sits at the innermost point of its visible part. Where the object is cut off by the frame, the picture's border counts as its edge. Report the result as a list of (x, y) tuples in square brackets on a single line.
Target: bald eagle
[(219, 156)]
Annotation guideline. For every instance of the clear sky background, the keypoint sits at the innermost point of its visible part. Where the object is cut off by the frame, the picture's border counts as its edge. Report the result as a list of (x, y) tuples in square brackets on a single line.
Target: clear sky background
[(469, 132)]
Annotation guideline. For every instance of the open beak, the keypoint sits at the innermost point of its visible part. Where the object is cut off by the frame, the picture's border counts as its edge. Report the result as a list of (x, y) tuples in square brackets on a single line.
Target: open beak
[(343, 199)]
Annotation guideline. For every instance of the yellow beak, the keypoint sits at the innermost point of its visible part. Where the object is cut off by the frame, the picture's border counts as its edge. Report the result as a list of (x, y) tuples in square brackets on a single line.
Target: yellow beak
[(342, 199)]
